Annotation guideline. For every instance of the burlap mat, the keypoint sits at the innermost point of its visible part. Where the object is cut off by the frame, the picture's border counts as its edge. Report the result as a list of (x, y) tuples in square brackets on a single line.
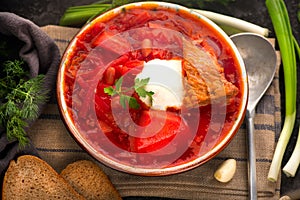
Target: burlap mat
[(58, 148)]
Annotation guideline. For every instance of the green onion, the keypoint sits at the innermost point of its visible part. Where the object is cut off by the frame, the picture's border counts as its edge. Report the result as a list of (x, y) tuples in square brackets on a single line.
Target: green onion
[(297, 47), (292, 165), (233, 25), (78, 15), (280, 19)]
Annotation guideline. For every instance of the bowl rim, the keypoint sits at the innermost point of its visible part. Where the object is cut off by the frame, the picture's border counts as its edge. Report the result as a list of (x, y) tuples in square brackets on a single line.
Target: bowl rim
[(154, 171)]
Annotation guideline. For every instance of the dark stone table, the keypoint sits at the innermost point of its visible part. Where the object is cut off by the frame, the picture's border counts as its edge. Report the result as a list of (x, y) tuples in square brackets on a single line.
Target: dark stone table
[(44, 12)]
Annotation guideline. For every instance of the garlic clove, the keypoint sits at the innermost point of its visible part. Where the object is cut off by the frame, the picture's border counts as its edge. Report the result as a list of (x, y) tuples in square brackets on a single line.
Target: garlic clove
[(226, 171)]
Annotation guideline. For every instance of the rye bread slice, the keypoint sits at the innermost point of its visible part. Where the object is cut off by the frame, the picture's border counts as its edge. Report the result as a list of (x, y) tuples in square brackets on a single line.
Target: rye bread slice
[(88, 179), (32, 178)]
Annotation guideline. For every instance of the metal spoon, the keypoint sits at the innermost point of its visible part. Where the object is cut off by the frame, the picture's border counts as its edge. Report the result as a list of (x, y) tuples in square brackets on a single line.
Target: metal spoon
[(260, 61)]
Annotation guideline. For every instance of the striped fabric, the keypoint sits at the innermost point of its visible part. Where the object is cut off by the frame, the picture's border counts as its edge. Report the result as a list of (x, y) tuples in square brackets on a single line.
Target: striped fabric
[(57, 147)]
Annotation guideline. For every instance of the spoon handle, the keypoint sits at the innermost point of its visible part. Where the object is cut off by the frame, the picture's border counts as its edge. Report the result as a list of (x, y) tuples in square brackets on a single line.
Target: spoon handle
[(251, 156)]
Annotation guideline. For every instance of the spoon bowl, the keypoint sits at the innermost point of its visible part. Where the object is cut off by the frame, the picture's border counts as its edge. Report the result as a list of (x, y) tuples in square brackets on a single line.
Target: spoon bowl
[(260, 61)]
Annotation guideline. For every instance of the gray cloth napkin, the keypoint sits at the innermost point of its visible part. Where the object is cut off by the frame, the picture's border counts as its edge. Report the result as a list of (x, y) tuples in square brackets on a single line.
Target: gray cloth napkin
[(42, 56)]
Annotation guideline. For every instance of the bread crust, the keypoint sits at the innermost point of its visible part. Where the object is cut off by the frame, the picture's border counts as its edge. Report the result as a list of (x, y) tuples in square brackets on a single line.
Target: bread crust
[(88, 179), (32, 178), (205, 79)]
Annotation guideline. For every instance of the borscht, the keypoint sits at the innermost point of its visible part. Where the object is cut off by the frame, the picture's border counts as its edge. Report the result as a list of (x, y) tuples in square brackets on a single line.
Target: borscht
[(151, 87)]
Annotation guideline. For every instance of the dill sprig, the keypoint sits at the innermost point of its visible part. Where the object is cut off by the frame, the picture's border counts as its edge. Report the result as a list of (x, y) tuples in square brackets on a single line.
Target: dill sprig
[(20, 97)]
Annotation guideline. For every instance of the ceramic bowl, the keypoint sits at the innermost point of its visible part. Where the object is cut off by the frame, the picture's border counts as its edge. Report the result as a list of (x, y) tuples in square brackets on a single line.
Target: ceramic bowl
[(152, 88)]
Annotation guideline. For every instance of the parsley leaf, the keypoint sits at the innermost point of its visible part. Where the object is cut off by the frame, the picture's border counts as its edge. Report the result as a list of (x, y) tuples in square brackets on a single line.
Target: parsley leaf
[(139, 88), (109, 90), (133, 103)]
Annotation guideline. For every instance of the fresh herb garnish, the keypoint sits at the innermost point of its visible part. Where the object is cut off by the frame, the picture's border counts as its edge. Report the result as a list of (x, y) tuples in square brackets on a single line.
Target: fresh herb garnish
[(139, 88), (19, 99)]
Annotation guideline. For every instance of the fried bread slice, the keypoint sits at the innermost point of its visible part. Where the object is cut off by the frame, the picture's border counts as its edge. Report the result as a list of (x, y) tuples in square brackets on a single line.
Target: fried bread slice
[(205, 82)]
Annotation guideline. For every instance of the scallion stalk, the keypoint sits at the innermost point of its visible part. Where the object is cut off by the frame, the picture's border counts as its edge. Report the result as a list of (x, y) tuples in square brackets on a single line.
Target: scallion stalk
[(238, 25), (292, 165), (297, 47), (78, 15), (280, 19)]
